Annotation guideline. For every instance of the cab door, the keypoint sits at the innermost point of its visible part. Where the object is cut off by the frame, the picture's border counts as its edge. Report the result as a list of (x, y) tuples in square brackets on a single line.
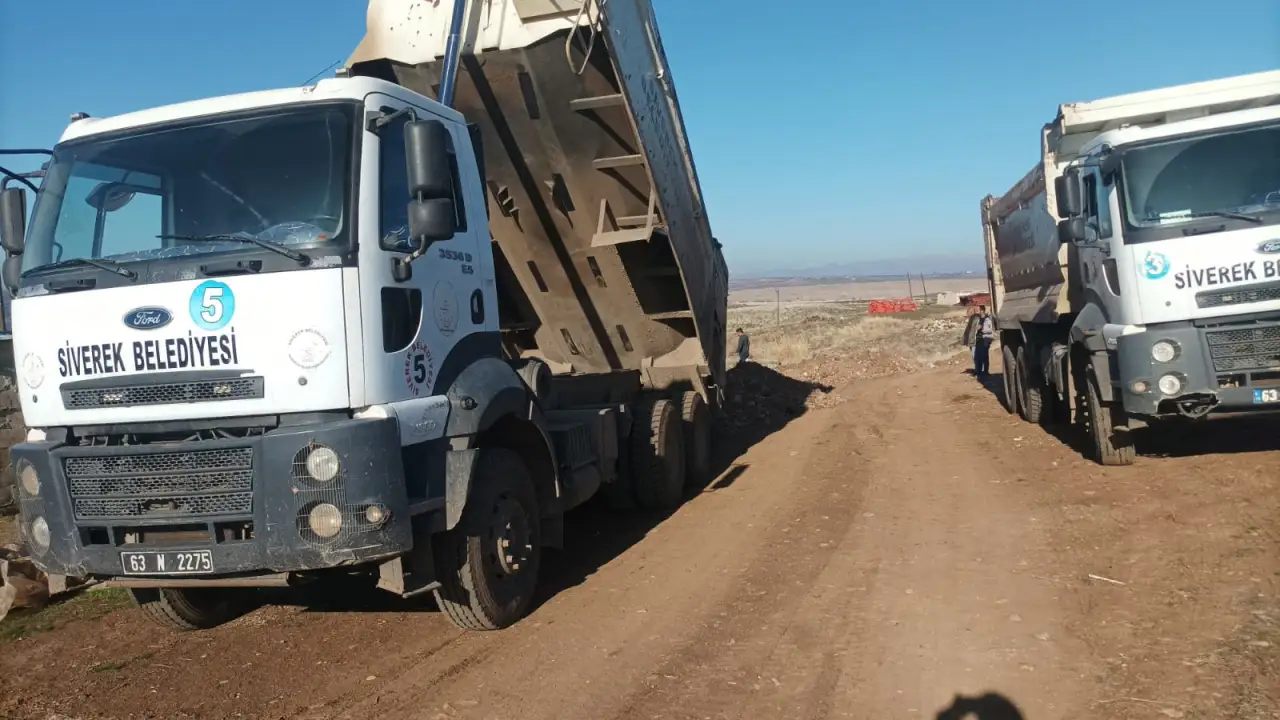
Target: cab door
[(418, 332)]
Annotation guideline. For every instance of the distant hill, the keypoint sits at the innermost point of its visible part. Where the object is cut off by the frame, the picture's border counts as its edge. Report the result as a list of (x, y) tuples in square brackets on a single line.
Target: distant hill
[(937, 264), (750, 283)]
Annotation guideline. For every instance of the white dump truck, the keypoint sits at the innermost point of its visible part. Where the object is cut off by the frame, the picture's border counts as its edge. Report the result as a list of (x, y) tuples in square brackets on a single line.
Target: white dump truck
[(266, 338), (1135, 270)]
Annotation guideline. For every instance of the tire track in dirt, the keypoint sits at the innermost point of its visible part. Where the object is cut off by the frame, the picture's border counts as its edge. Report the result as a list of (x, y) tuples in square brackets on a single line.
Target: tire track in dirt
[(870, 560), (595, 651)]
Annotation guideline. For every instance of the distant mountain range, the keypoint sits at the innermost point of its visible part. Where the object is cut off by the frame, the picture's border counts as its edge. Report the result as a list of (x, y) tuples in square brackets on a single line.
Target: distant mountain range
[(937, 264)]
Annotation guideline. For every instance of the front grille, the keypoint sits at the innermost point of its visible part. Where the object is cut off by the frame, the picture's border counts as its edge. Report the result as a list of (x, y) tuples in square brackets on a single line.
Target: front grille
[(241, 388), (1238, 296), (193, 483), (1256, 348)]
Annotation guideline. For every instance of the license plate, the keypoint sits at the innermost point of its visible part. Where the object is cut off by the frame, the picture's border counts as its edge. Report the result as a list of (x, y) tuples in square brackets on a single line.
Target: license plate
[(173, 562), (1262, 397)]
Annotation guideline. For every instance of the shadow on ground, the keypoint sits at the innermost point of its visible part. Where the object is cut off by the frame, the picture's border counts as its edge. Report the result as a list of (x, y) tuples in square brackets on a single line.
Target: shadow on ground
[(759, 401), (1173, 437), (1230, 434), (991, 706)]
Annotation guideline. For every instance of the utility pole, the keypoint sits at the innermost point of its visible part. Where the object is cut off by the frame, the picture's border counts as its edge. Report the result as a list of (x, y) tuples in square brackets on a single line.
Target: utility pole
[(910, 292), (924, 290), (777, 306)]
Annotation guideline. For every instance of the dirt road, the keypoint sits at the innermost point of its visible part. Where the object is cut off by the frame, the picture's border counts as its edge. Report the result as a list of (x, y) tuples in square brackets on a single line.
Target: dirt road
[(875, 559)]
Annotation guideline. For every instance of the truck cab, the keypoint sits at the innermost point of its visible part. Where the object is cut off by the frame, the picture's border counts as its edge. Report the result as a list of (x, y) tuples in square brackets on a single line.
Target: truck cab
[(1184, 218), (1136, 268), (245, 327)]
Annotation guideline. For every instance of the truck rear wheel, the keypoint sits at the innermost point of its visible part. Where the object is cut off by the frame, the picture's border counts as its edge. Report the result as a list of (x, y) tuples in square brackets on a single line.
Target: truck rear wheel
[(695, 417), (1009, 372), (1112, 440), (488, 565), (189, 609), (657, 454), (1033, 402)]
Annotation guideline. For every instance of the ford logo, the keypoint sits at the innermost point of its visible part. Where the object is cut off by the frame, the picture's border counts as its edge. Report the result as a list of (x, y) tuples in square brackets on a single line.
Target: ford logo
[(1269, 247), (147, 318)]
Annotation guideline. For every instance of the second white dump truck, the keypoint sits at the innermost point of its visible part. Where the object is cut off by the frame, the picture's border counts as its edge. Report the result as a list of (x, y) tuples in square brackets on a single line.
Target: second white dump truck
[(1135, 270), (349, 328)]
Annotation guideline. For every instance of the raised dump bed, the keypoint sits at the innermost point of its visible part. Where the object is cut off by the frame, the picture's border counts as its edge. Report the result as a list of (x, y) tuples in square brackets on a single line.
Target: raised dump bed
[(603, 249)]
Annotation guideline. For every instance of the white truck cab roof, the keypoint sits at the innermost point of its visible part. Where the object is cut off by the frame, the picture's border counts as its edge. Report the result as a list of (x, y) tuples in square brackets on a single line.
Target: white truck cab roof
[(352, 88)]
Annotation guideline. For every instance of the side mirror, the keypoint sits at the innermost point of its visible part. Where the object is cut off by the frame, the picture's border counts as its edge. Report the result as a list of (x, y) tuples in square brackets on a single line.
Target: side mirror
[(431, 220), (1072, 229), (426, 150), (1110, 164), (1067, 188), (13, 220), (109, 197), (12, 273), (431, 211)]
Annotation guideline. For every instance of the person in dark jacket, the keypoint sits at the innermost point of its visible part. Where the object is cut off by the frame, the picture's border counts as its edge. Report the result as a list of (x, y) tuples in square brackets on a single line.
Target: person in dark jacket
[(984, 333), (744, 347)]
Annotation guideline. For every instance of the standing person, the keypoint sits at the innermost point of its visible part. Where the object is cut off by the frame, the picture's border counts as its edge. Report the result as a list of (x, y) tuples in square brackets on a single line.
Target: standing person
[(744, 347), (984, 334)]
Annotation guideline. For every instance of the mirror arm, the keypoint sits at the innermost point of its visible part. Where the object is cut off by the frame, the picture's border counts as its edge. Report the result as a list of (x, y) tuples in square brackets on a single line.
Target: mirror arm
[(376, 124), (15, 176)]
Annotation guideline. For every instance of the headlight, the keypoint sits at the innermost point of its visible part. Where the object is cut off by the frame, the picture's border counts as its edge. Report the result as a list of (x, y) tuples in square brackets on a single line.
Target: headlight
[(323, 464), (39, 535), (28, 479), (1164, 351), (375, 514), (325, 520), (1171, 385)]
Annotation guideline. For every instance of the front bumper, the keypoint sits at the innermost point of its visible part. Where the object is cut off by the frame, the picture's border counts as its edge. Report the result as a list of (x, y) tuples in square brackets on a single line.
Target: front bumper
[(1228, 367), (246, 501)]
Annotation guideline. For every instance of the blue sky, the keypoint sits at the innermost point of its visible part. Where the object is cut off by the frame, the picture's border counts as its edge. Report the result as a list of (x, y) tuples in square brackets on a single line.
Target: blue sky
[(838, 132)]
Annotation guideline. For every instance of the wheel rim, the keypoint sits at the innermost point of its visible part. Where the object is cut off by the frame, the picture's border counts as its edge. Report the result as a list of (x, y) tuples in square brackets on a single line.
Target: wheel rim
[(510, 542)]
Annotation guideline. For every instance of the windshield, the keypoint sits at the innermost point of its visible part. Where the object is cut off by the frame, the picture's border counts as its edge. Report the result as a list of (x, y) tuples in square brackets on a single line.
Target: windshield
[(1181, 180), (282, 176)]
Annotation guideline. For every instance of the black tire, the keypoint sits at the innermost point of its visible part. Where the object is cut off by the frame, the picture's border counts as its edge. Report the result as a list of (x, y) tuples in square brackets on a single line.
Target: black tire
[(1033, 402), (488, 565), (187, 609), (657, 454), (1008, 371), (695, 418), (1112, 440)]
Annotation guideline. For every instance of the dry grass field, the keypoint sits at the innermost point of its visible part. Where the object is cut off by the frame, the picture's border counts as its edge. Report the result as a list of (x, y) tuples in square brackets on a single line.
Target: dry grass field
[(840, 335), (850, 291)]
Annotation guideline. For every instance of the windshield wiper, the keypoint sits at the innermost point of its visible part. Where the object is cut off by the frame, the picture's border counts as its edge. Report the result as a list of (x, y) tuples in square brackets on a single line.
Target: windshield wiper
[(1226, 214), (108, 265), (293, 255)]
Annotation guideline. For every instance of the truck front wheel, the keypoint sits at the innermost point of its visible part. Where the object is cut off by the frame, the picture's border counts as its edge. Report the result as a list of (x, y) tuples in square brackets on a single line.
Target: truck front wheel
[(488, 565), (1112, 439), (189, 609)]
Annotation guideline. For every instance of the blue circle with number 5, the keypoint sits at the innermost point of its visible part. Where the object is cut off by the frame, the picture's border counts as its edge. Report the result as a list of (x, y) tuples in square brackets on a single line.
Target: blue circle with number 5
[(212, 305)]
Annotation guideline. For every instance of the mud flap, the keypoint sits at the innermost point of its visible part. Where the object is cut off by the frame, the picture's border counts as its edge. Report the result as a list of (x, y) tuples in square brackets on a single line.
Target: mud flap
[(459, 465)]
